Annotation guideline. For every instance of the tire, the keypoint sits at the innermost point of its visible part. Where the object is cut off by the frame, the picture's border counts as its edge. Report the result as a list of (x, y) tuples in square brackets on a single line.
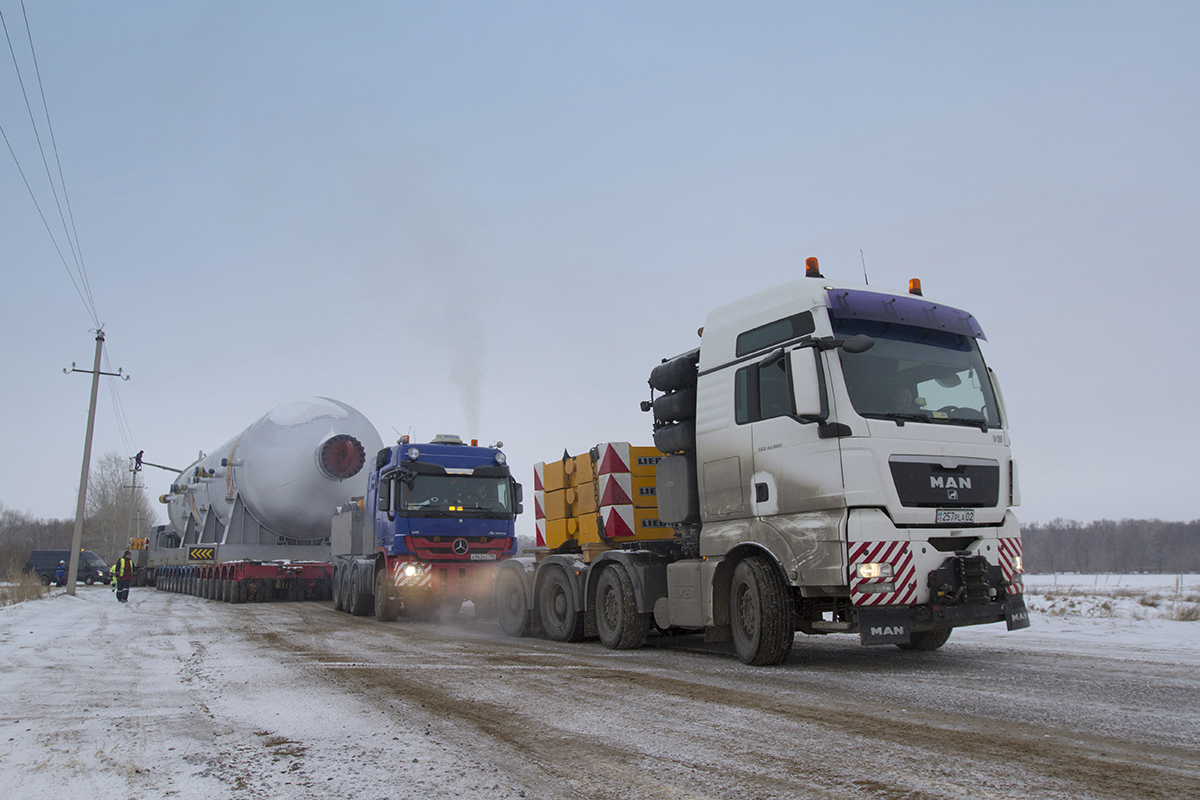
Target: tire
[(512, 604), (761, 614), (89, 580), (45, 579), (618, 622), (927, 640), (561, 618), (386, 609), (361, 603), (337, 589)]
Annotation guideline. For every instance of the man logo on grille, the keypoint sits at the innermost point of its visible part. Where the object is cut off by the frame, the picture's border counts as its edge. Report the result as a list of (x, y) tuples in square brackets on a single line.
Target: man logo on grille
[(460, 546)]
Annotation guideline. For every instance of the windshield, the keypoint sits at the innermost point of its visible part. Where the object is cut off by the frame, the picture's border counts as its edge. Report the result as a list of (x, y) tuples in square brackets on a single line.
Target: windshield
[(918, 374), (456, 493)]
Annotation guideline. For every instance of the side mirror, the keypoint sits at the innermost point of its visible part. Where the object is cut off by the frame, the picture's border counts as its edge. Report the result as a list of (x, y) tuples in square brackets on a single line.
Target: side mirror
[(859, 343), (385, 496), (806, 384)]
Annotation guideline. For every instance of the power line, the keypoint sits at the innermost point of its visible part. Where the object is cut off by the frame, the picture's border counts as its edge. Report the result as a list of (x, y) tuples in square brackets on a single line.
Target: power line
[(85, 293), (58, 161), (89, 307)]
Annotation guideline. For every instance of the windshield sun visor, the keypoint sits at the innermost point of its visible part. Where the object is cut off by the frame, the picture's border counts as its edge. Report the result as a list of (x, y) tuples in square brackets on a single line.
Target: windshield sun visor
[(876, 307)]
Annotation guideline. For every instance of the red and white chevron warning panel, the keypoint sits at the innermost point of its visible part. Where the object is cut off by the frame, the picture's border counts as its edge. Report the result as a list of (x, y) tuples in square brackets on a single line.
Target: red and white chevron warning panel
[(870, 591), (627, 489), (1010, 551), (629, 522)]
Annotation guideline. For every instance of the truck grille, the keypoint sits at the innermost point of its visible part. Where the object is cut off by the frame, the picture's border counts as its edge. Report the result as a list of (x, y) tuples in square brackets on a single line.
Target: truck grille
[(926, 483)]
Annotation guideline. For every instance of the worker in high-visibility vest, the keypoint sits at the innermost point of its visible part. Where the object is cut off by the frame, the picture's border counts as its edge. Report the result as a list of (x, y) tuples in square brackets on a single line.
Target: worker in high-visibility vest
[(124, 575)]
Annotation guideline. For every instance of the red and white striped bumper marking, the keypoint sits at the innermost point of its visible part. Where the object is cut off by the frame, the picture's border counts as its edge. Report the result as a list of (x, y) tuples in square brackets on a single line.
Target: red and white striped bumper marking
[(423, 577), (1010, 550), (904, 574)]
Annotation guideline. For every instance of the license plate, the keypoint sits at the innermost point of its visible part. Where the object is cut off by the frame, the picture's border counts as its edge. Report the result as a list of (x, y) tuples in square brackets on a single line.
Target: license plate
[(955, 516), (483, 556)]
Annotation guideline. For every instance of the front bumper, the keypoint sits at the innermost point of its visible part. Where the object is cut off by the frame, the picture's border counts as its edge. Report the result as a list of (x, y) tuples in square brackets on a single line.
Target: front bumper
[(964, 590), (896, 624)]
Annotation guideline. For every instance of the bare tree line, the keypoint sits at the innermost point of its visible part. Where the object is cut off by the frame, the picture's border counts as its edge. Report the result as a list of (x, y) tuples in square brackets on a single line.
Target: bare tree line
[(1112, 546), (1105, 546), (111, 505)]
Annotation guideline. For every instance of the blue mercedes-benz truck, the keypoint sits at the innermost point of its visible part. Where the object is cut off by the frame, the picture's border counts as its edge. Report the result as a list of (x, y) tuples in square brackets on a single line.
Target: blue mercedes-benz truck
[(436, 520)]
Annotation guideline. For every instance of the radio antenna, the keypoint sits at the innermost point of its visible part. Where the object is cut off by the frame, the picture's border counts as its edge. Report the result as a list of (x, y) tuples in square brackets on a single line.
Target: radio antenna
[(864, 262)]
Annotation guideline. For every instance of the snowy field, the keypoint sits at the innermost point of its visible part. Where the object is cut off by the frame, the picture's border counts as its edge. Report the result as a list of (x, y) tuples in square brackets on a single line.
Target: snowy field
[(1156, 615), (175, 696)]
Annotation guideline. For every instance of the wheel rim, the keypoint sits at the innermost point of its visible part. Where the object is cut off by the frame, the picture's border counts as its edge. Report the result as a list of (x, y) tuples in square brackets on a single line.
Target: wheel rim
[(610, 606), (747, 612), (558, 605)]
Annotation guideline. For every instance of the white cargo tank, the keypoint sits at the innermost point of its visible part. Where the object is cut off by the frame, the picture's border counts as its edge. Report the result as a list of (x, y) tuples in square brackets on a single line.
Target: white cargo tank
[(278, 483)]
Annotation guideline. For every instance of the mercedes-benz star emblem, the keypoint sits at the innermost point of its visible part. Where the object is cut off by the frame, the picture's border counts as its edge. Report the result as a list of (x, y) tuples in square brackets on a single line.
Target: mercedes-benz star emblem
[(460, 546)]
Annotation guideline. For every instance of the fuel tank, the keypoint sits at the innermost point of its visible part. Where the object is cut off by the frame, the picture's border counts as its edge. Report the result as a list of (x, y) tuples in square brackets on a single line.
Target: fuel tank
[(280, 480)]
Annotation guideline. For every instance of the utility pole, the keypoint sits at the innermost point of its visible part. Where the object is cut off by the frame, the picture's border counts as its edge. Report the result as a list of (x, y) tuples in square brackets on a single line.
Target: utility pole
[(77, 537), (135, 467)]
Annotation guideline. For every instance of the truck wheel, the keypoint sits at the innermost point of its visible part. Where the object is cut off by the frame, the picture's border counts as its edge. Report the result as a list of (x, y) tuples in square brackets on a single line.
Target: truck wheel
[(561, 619), (347, 587), (618, 622), (361, 603), (337, 589), (760, 613), (926, 640), (512, 606), (45, 580), (386, 609)]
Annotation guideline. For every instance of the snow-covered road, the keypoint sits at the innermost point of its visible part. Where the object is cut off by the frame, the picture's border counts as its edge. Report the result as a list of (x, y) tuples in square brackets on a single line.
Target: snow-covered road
[(176, 696)]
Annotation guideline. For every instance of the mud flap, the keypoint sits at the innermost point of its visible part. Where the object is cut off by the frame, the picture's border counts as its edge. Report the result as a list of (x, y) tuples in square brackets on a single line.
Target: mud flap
[(885, 625), (1016, 616)]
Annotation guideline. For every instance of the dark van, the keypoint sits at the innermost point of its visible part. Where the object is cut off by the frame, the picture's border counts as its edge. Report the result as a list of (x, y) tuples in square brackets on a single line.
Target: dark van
[(92, 568)]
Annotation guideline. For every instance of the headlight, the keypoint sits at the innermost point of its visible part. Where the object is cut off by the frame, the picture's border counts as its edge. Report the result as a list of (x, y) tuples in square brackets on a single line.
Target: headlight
[(413, 454), (500, 459), (1018, 564), (410, 570), (874, 569)]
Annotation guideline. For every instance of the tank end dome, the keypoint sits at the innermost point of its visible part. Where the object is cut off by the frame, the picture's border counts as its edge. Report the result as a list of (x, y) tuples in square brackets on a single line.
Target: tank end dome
[(341, 456)]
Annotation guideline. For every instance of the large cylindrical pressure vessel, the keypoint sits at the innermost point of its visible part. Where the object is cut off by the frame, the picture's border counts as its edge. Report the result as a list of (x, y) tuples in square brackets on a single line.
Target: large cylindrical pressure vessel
[(291, 469)]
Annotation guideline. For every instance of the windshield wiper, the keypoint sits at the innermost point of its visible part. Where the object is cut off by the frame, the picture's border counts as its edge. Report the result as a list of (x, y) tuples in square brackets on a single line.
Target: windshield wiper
[(899, 419)]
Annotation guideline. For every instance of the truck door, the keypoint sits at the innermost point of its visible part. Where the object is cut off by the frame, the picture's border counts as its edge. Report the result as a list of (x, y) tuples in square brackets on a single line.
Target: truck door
[(795, 470)]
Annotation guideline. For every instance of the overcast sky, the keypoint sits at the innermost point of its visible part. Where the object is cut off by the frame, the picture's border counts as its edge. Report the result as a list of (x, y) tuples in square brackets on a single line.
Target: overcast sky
[(494, 219)]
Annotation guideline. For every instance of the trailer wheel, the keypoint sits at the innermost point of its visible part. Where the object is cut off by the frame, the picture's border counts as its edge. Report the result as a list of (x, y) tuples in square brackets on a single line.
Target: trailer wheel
[(45, 579), (926, 640), (512, 606), (760, 613), (618, 622), (561, 619), (386, 609)]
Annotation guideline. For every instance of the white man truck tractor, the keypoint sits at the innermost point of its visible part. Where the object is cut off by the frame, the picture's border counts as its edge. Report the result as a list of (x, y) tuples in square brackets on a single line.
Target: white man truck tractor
[(835, 460)]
